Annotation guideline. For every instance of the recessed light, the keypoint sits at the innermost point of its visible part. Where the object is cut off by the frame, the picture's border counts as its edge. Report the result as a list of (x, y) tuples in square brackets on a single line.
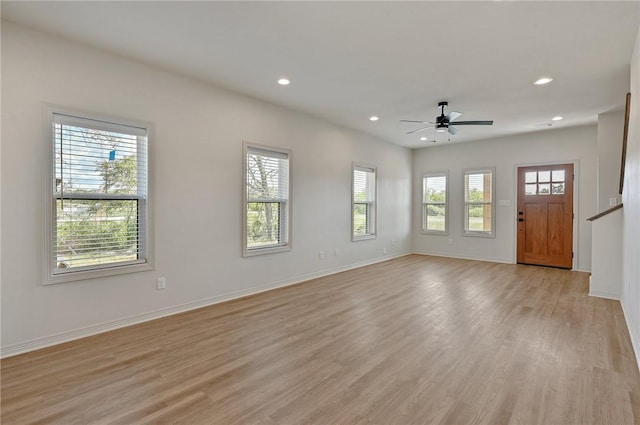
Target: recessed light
[(542, 81), (284, 81), (373, 118), (423, 138), (557, 118)]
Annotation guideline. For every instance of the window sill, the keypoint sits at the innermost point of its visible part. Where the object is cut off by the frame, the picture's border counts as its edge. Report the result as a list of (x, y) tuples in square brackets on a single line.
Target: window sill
[(363, 238), (435, 232), (74, 276), (266, 250), (479, 235)]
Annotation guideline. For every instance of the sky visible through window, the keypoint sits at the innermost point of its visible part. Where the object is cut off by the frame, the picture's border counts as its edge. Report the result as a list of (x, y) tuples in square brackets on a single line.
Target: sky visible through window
[(83, 155)]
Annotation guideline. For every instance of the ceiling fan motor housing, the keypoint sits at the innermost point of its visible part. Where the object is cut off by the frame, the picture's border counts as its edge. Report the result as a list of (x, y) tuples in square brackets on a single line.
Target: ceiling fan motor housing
[(442, 121)]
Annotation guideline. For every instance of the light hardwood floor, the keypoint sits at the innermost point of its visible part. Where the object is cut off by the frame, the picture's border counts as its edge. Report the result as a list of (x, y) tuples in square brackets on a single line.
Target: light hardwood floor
[(415, 340)]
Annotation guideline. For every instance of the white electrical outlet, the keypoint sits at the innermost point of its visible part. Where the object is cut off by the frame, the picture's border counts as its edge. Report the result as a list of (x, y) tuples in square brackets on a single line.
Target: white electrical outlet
[(393, 242), (321, 255), (162, 283), (384, 250), (336, 252), (613, 202)]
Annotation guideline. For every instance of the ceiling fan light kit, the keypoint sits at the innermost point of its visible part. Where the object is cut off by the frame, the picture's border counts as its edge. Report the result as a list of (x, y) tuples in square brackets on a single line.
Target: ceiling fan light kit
[(445, 123)]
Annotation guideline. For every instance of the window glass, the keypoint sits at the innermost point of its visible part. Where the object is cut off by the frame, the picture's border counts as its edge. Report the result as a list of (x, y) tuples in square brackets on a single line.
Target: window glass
[(100, 193), (363, 212), (434, 203), (479, 203), (266, 200)]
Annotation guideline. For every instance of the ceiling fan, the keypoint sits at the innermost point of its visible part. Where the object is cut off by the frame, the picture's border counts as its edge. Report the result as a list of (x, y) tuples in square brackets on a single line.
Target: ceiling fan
[(446, 122)]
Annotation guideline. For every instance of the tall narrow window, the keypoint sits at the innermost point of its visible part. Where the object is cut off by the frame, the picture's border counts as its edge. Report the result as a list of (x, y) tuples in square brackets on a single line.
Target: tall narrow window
[(435, 203), (267, 209), (479, 206), (363, 212), (99, 198)]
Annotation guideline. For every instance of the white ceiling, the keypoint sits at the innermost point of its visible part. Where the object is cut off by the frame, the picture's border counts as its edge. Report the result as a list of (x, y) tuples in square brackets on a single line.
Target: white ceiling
[(350, 60)]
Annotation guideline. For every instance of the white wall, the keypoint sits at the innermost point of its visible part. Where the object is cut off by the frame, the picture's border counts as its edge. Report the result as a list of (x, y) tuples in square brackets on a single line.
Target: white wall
[(606, 256), (631, 211), (196, 157), (551, 146), (610, 128)]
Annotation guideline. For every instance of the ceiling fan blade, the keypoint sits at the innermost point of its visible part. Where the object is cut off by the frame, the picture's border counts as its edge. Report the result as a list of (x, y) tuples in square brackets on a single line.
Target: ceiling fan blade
[(452, 130), (420, 129), (421, 122), (473, 123), (453, 115)]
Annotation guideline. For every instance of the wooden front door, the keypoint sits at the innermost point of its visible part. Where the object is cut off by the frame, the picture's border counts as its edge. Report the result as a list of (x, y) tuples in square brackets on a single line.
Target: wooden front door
[(545, 215)]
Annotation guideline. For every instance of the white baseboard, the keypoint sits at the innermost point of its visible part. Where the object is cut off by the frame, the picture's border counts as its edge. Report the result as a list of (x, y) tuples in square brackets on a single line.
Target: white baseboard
[(633, 334), (490, 260), (43, 342), (462, 257), (607, 295)]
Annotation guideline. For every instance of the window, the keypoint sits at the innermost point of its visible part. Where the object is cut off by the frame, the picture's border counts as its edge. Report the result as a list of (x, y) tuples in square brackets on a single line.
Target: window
[(99, 198), (479, 218), (545, 182), (267, 209), (434, 203), (363, 212)]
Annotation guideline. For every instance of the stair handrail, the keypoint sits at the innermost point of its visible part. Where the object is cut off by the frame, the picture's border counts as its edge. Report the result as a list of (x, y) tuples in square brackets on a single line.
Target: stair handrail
[(605, 212)]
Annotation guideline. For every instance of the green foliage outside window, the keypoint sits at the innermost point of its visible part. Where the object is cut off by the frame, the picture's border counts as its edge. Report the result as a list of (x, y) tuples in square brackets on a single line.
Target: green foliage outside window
[(90, 232)]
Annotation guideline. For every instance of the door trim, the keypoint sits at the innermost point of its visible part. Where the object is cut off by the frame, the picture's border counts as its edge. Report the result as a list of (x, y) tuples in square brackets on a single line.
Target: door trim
[(576, 211)]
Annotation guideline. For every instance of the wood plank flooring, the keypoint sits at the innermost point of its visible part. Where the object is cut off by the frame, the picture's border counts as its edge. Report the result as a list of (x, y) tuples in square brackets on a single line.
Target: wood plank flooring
[(415, 340)]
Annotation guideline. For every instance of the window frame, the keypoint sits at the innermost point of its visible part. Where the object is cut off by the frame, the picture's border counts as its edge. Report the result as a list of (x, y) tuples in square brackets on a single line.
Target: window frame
[(285, 231), (425, 204), (145, 203), (465, 212), (371, 206)]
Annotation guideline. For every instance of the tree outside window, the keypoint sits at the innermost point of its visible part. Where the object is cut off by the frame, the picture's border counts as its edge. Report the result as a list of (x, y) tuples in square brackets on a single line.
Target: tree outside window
[(267, 200)]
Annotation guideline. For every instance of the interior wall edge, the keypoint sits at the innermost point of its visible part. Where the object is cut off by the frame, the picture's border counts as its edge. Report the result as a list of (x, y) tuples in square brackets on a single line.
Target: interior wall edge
[(633, 332)]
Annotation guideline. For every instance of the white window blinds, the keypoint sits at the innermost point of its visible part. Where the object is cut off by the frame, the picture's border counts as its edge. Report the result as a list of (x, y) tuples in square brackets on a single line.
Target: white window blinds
[(434, 203), (479, 217), (267, 200), (364, 199), (100, 192)]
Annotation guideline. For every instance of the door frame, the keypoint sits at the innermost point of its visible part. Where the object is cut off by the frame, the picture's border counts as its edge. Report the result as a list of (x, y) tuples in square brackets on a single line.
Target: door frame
[(576, 215)]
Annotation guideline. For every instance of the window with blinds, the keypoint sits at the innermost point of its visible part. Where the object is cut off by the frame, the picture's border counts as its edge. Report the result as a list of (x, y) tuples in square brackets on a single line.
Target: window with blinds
[(479, 205), (435, 203), (363, 211), (99, 197), (267, 207)]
